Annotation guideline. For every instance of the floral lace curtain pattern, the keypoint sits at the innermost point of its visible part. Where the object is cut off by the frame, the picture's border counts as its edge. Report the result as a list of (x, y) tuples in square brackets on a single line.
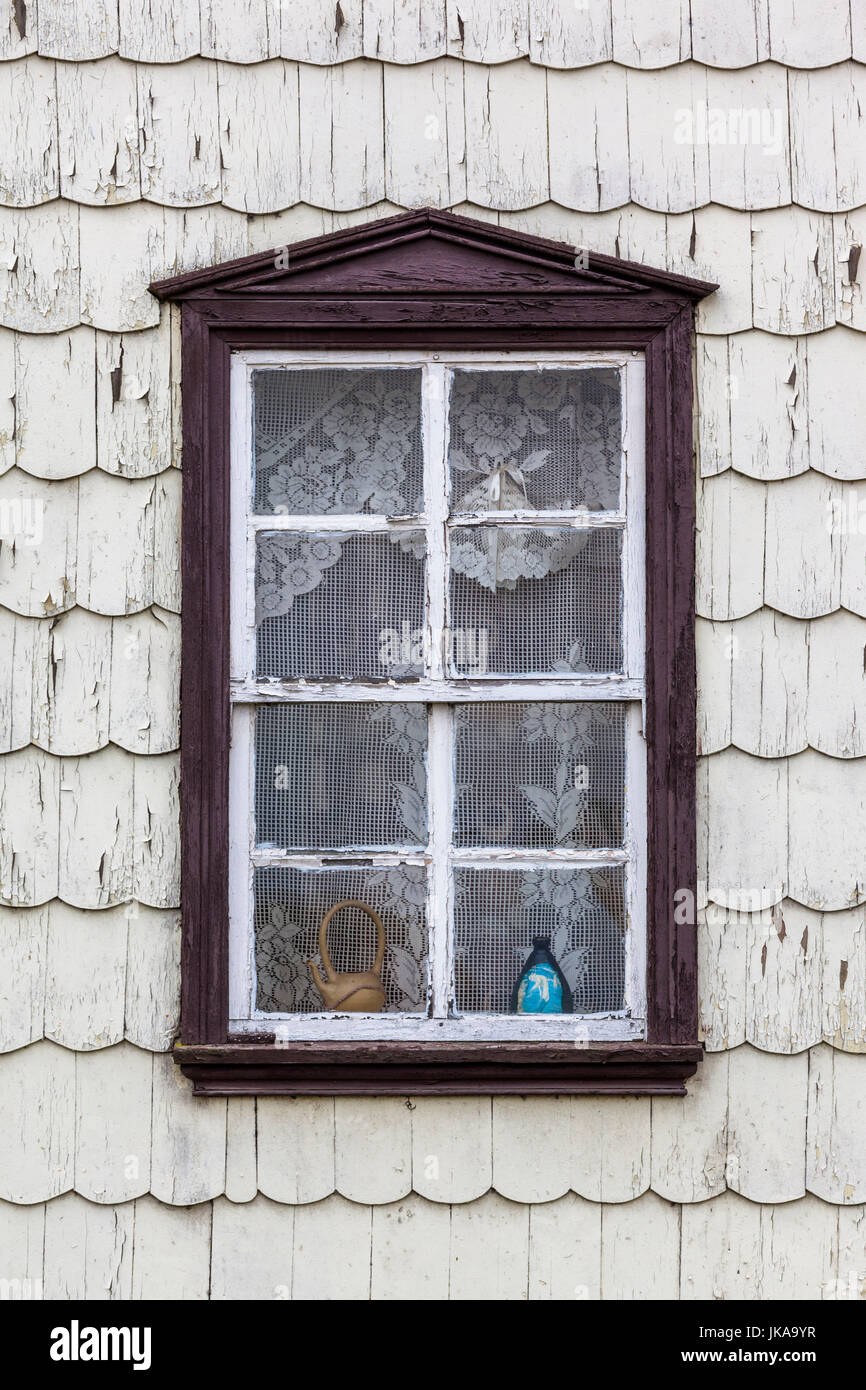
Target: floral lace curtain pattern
[(530, 441), (336, 440), (537, 440), (546, 775), (333, 776), (340, 605), (347, 442), (290, 904), (498, 911), (579, 909)]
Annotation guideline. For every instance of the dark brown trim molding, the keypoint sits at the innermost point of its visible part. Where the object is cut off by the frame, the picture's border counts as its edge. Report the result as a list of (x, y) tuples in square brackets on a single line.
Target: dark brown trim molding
[(422, 280), (430, 1069)]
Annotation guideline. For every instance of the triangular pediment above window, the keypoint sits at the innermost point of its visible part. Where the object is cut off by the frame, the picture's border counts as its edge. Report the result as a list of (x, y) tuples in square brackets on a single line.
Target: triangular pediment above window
[(433, 254)]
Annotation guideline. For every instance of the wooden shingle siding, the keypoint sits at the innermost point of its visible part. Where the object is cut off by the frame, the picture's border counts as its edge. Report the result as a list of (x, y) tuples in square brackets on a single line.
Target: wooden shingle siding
[(137, 143), (724, 1248), (115, 131), (794, 32), (130, 1100), (92, 831), (785, 271)]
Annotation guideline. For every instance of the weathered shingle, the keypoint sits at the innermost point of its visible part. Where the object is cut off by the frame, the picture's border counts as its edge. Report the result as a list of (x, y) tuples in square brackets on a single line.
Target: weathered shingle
[(490, 31)]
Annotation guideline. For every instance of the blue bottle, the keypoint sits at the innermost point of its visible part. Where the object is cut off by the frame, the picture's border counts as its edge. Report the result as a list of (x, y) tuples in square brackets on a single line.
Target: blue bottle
[(541, 987)]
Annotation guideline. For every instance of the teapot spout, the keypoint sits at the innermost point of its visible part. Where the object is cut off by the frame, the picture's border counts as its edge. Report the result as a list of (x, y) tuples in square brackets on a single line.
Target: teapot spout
[(317, 979)]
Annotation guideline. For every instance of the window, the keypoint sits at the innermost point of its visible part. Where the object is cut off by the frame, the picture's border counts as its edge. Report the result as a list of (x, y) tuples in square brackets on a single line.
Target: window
[(438, 601), (438, 661)]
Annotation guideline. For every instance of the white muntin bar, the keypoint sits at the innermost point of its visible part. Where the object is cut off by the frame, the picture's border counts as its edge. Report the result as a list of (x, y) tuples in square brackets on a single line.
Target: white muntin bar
[(636, 872), (360, 522), (496, 857), (501, 857), (577, 1029), (575, 520), (407, 357), (343, 858), (634, 539), (440, 794), (344, 523), (436, 692), (242, 579)]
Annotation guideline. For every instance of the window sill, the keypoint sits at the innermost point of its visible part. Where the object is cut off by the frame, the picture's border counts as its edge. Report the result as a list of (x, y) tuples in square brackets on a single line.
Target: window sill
[(263, 1067)]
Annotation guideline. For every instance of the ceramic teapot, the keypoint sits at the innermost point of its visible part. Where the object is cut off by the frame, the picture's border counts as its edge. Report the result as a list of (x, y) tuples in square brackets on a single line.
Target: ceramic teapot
[(358, 993)]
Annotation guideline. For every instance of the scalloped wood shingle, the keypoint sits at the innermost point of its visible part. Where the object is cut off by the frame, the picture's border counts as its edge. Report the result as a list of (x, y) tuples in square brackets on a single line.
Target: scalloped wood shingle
[(734, 37), (668, 171), (429, 171), (168, 31), (99, 135), (342, 136), (724, 1248), (452, 1150), (77, 33), (506, 136), (588, 131), (39, 268), (844, 984), (652, 37), (259, 136), (750, 167), (55, 423), (744, 32), (140, 1129), (295, 1147), (777, 827), (88, 1249), (29, 169), (179, 120)]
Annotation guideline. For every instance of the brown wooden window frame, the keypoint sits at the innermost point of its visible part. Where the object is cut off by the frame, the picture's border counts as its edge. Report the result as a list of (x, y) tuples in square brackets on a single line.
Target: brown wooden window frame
[(432, 280)]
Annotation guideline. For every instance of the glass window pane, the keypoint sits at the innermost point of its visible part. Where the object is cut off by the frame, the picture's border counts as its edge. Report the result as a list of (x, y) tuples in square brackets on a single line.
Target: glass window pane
[(497, 912), (540, 776), (289, 905), (539, 439), (340, 605), (341, 776), (535, 600), (338, 440)]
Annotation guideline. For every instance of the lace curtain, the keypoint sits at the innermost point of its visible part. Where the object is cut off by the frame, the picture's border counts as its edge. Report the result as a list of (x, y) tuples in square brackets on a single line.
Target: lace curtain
[(290, 904), (338, 440), (349, 441), (333, 776), (373, 760), (496, 914), (539, 776), (574, 752), (540, 440)]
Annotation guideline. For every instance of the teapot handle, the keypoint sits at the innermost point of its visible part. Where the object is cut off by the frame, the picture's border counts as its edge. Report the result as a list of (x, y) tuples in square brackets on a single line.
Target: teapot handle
[(323, 935)]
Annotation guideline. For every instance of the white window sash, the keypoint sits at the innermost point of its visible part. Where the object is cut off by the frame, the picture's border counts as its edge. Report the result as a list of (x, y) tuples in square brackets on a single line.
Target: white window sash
[(440, 692)]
